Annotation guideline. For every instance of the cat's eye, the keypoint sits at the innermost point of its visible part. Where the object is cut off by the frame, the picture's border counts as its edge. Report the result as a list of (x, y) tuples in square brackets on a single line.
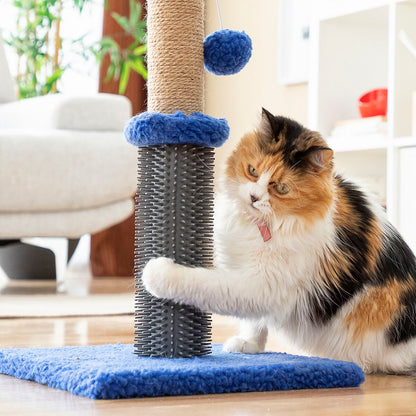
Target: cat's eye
[(281, 188), (252, 171)]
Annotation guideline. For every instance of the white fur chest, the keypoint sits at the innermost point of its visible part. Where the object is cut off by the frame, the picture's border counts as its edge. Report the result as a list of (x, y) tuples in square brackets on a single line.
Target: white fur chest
[(282, 266)]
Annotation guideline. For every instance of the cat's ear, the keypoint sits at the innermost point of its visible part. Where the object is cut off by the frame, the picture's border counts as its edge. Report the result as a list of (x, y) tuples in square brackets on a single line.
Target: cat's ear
[(270, 125), (318, 157)]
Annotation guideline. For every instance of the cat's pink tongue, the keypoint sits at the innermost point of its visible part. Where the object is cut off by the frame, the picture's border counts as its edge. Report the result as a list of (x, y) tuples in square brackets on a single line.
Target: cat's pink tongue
[(264, 230)]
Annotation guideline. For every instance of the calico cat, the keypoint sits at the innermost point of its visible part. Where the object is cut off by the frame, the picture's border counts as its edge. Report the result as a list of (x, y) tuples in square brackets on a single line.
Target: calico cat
[(303, 250)]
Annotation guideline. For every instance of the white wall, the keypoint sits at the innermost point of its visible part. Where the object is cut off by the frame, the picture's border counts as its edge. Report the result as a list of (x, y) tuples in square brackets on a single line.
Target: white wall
[(82, 75), (239, 97)]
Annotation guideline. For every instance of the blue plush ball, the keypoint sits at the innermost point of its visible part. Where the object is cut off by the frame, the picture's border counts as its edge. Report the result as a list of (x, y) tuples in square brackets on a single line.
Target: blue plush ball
[(226, 52)]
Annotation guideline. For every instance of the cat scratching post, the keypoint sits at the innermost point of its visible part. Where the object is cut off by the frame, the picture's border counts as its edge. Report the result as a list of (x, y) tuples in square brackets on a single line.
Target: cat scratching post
[(175, 197), (174, 219)]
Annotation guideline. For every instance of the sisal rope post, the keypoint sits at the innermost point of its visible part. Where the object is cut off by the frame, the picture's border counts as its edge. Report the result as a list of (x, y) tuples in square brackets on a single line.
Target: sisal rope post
[(174, 210), (175, 56)]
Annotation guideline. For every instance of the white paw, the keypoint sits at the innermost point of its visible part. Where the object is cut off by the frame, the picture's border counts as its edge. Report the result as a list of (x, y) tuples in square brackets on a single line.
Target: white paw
[(241, 345), (159, 277)]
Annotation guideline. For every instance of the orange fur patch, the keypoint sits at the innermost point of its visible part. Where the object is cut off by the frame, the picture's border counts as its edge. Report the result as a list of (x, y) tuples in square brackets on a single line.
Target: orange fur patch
[(331, 266), (376, 310), (375, 245)]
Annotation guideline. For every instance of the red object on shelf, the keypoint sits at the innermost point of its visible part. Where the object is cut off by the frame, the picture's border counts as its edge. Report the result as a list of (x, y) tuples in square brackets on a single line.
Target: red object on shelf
[(373, 103)]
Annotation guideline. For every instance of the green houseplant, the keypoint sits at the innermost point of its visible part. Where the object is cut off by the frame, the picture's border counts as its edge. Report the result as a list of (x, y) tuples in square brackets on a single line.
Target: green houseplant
[(38, 43), (131, 58)]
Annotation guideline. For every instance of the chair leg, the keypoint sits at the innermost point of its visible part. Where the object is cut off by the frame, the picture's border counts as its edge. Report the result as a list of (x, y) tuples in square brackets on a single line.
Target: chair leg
[(72, 246), (60, 248), (25, 261), (37, 258)]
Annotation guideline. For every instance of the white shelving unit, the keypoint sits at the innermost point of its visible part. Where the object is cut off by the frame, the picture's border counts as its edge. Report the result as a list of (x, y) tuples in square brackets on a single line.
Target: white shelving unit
[(354, 49)]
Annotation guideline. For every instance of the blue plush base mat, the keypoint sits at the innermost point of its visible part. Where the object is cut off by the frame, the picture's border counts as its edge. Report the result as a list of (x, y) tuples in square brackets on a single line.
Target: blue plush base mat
[(114, 372)]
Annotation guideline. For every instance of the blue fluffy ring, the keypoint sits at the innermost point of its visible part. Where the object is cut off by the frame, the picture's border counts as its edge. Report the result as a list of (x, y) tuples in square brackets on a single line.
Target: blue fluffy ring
[(226, 51), (148, 129)]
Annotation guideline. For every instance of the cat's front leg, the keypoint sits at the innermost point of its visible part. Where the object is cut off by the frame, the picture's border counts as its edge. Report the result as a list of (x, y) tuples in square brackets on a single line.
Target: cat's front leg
[(230, 292), (251, 340), (162, 277)]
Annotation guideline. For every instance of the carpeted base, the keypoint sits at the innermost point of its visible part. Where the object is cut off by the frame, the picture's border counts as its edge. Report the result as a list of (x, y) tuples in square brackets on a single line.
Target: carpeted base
[(114, 372)]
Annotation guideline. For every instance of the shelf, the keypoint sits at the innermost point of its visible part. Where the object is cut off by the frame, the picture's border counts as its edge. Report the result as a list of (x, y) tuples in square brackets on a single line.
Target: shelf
[(354, 50), (351, 58), (369, 142), (358, 143), (404, 142)]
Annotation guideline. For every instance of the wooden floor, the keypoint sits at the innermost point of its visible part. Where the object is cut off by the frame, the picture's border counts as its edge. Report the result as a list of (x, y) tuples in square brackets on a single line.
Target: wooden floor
[(379, 395)]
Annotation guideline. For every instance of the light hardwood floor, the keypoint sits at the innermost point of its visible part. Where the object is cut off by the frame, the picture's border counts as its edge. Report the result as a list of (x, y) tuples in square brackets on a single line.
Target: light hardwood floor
[(379, 395)]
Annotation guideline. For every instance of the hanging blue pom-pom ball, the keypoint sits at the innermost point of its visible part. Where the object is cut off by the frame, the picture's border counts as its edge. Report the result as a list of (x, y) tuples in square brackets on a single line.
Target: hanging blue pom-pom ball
[(226, 51)]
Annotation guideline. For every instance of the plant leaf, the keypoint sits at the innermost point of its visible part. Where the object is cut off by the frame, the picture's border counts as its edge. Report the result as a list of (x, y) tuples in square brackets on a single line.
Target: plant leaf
[(138, 66), (110, 72), (135, 12), (140, 50), (55, 76), (124, 77), (139, 34), (122, 21)]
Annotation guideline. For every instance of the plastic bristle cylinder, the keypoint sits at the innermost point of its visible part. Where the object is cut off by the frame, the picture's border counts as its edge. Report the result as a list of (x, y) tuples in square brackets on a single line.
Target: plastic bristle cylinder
[(174, 218)]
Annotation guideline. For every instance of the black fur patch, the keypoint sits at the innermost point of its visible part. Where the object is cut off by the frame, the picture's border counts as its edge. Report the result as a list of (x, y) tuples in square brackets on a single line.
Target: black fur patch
[(291, 145), (398, 261), (291, 130), (294, 140), (277, 124), (404, 326), (354, 244)]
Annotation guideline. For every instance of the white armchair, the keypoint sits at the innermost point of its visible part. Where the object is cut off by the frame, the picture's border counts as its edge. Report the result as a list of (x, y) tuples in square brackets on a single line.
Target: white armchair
[(65, 168)]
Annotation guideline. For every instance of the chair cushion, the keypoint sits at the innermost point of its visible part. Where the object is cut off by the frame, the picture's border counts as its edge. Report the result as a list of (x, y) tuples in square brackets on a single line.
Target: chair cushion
[(95, 112), (70, 224), (64, 170)]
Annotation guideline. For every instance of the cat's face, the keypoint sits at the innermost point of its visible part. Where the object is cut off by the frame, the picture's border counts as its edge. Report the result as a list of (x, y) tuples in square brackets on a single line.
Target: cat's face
[(281, 170)]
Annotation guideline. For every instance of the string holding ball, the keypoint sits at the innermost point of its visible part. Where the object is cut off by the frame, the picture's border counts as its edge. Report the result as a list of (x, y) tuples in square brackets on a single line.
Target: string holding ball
[(226, 51)]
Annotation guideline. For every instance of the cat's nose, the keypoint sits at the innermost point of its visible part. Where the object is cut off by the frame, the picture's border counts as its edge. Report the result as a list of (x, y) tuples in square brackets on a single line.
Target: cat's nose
[(253, 198)]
